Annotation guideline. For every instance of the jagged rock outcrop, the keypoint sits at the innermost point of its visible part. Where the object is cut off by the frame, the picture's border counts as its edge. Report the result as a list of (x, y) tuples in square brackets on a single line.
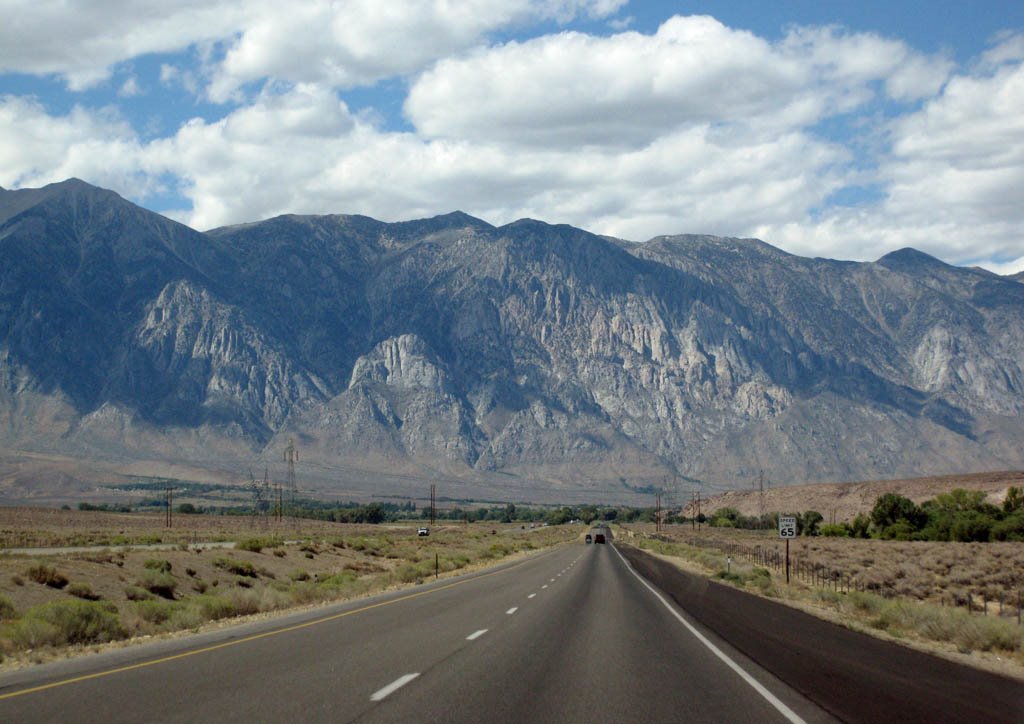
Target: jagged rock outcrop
[(525, 352)]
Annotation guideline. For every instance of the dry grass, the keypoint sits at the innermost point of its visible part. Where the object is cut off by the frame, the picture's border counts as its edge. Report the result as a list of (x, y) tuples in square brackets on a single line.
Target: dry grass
[(908, 588), (145, 592), (23, 527)]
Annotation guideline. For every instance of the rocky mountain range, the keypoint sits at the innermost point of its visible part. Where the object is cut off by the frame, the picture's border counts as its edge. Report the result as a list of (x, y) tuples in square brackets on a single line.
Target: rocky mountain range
[(526, 362)]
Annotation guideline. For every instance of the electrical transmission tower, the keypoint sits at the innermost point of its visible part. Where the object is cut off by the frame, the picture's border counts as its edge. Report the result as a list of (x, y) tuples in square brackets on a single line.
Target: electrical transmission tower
[(260, 496), (291, 456)]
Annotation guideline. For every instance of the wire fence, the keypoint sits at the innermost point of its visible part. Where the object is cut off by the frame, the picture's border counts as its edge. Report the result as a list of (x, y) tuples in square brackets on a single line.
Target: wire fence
[(1003, 603)]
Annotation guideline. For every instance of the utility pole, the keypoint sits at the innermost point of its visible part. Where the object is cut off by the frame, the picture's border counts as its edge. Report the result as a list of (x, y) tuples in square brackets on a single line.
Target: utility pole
[(698, 510), (169, 501), (760, 485), (291, 456), (657, 512)]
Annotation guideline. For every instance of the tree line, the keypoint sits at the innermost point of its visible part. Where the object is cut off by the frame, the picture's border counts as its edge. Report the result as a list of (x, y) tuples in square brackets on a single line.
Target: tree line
[(959, 515)]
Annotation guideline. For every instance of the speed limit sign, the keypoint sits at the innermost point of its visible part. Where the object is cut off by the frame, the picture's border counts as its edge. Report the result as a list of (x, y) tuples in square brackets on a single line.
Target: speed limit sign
[(787, 526)]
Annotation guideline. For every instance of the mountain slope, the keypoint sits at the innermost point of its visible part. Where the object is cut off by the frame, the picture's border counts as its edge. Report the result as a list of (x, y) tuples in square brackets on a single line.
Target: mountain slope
[(500, 355)]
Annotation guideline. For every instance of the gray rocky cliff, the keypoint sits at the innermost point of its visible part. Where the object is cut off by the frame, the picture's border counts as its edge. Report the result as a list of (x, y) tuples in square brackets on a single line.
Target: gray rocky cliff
[(525, 352)]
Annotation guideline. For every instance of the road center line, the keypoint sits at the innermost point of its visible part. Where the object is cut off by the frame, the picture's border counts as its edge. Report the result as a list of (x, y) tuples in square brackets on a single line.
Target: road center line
[(544, 586), (512, 610), (392, 687), (532, 595), (476, 634), (790, 715)]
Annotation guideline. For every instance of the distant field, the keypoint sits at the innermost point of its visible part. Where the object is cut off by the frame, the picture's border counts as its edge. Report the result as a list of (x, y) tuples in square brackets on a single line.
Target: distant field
[(27, 527), (50, 602)]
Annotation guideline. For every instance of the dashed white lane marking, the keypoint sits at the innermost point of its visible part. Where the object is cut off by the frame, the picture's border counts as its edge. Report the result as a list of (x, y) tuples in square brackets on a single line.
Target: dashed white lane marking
[(532, 595), (512, 610), (392, 687), (544, 586), (552, 580), (476, 634)]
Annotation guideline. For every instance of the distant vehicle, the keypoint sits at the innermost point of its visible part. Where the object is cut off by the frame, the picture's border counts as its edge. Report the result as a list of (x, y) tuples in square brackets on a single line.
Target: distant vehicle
[(599, 538), (423, 531), (589, 538)]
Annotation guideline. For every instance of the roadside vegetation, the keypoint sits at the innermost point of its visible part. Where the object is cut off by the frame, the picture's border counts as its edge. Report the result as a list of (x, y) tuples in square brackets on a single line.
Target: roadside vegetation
[(51, 602), (959, 515), (953, 596)]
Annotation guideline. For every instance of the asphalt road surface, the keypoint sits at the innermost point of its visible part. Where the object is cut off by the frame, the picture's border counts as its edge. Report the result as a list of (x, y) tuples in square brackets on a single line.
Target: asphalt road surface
[(570, 635)]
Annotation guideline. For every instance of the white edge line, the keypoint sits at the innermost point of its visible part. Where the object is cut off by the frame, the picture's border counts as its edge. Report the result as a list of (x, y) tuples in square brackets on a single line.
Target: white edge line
[(476, 634), (754, 683), (392, 687), (512, 610)]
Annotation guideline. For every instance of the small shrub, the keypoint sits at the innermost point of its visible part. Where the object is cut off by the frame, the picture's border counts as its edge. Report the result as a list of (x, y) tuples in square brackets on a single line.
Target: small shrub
[(338, 580), (213, 608), (135, 593), (280, 552), (162, 584), (250, 544), (412, 572), (47, 575), (17, 580), (299, 575), (83, 591), (155, 564), (199, 586), (69, 621), (239, 568), (190, 572), (155, 611), (7, 610), (247, 602)]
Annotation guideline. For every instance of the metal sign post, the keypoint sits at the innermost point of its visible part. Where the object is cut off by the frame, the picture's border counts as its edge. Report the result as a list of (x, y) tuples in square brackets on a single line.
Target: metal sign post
[(787, 530)]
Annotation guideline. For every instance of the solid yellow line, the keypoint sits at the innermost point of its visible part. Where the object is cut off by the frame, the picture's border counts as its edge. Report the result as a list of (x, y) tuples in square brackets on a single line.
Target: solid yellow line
[(247, 639)]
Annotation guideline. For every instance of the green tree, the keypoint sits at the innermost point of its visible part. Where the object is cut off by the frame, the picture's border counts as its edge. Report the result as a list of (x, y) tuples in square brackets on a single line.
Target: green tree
[(374, 513), (1010, 528), (1014, 500), (892, 508), (962, 501), (725, 518), (860, 526), (811, 519), (972, 525)]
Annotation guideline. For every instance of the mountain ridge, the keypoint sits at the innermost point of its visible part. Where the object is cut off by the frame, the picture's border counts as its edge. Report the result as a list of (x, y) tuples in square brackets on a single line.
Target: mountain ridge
[(529, 354)]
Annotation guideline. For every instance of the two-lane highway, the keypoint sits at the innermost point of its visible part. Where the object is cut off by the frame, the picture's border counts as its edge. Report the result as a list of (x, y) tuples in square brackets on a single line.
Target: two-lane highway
[(567, 635)]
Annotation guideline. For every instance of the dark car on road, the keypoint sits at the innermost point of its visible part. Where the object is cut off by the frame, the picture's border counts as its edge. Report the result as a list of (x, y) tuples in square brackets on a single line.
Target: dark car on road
[(589, 538), (599, 537)]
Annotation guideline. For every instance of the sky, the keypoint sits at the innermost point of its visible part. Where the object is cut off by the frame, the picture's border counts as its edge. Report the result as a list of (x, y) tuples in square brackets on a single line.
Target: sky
[(836, 129)]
